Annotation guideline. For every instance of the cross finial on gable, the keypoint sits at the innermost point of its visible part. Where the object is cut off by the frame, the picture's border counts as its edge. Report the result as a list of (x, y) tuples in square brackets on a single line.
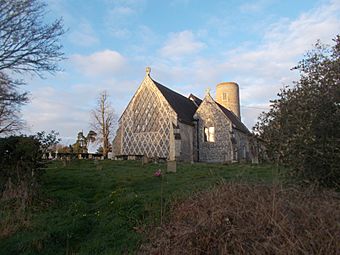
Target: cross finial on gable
[(148, 70), (207, 91)]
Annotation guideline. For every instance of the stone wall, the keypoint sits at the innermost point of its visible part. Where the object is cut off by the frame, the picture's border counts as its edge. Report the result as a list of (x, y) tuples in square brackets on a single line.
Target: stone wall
[(146, 123), (241, 146), (210, 115), (187, 143)]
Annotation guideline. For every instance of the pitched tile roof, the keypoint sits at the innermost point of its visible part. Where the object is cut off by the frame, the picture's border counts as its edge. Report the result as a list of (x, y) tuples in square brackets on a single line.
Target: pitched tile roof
[(185, 107), (197, 101), (234, 119), (182, 105)]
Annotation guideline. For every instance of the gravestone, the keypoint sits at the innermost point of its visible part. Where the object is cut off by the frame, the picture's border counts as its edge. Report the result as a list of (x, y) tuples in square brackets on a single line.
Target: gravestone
[(171, 166), (145, 160), (110, 155), (131, 157)]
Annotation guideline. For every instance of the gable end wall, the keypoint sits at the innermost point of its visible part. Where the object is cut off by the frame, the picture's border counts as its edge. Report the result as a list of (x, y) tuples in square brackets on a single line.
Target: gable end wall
[(152, 143), (209, 115)]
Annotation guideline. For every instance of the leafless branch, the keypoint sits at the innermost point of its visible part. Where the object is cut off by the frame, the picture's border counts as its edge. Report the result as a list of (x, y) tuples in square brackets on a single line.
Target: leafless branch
[(103, 121)]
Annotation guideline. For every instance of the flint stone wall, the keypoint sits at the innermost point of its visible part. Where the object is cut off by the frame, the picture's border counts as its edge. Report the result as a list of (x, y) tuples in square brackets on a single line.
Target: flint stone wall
[(209, 115)]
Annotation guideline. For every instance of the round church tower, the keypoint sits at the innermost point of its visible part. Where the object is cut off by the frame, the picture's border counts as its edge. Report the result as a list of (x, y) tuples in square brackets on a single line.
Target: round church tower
[(227, 94)]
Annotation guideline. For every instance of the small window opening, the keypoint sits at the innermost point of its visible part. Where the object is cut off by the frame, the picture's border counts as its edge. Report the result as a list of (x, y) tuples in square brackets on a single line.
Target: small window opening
[(209, 134), (224, 96)]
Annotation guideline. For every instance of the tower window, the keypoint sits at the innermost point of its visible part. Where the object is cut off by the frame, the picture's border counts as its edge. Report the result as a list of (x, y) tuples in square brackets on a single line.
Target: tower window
[(224, 96), (209, 134)]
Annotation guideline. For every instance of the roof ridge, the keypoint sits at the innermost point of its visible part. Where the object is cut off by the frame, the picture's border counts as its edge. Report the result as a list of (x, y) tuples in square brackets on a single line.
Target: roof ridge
[(169, 89)]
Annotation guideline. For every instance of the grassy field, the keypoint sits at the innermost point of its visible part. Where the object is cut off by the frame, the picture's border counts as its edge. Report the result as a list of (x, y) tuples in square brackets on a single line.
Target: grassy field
[(108, 211)]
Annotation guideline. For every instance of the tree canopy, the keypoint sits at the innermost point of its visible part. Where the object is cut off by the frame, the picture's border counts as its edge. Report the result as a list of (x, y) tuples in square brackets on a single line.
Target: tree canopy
[(302, 128)]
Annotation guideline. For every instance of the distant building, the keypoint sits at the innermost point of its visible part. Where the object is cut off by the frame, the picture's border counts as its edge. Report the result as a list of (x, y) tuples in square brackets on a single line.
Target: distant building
[(161, 123)]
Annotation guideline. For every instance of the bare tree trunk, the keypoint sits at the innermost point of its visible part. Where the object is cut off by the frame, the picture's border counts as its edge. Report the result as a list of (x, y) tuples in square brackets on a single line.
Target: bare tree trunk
[(103, 121)]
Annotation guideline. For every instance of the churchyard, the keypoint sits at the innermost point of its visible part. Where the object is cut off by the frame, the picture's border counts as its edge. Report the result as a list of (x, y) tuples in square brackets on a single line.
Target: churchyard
[(109, 207)]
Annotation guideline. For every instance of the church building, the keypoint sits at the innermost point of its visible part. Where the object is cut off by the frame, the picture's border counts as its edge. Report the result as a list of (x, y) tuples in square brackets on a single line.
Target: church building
[(161, 123)]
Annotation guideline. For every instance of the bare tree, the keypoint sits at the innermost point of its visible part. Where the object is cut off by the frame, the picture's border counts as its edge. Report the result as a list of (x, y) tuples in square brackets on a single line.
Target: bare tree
[(103, 120), (27, 45)]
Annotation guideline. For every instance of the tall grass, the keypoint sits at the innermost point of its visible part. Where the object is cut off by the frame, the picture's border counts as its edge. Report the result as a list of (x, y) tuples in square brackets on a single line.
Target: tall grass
[(86, 210), (236, 218)]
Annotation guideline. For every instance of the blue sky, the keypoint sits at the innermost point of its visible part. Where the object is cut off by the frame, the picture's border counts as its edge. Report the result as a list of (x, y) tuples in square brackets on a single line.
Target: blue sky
[(189, 45)]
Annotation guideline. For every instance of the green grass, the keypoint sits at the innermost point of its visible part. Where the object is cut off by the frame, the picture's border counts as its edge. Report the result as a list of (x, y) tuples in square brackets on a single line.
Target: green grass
[(108, 211)]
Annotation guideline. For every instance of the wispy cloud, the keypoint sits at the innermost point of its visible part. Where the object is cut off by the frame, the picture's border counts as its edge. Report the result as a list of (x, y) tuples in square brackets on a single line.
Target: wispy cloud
[(68, 112), (122, 10), (52, 109), (181, 44), (262, 70), (83, 35), (200, 56), (99, 63), (120, 15)]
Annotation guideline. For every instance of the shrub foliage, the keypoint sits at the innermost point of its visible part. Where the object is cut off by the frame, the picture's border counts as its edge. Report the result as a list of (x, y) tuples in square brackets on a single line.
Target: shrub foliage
[(22, 166), (302, 128)]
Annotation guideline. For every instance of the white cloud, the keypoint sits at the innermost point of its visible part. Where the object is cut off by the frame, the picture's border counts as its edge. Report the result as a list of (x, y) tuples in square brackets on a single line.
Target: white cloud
[(181, 44), (268, 66), (122, 10), (120, 33), (99, 63), (120, 17), (260, 71), (51, 108), (83, 35), (68, 111)]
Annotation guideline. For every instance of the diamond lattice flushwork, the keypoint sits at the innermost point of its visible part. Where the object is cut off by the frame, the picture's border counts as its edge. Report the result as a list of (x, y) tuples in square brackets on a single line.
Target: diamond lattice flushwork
[(146, 124), (146, 112)]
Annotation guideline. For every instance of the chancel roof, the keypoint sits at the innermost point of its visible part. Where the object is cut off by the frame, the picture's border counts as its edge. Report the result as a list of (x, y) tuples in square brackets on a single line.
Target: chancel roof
[(234, 119)]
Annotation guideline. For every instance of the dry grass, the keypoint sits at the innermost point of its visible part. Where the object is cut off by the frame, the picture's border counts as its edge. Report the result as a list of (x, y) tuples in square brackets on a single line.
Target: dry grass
[(11, 221), (251, 219)]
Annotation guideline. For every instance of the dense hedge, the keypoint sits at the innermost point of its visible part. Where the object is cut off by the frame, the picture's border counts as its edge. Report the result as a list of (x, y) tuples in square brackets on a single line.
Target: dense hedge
[(302, 128), (21, 168)]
